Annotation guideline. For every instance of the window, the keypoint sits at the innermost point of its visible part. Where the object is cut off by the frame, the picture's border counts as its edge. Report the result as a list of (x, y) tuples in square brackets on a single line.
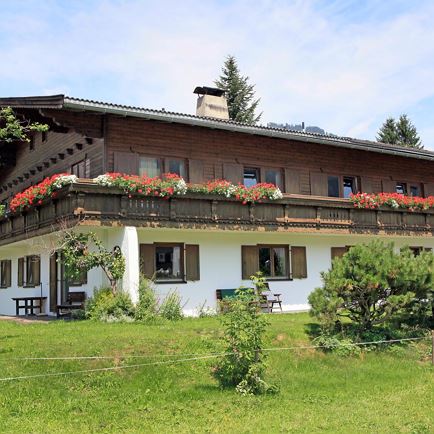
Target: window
[(401, 187), (415, 190), (29, 271), (251, 176), (80, 280), (333, 186), (273, 261), (167, 262), (274, 176), (81, 169), (350, 186), (150, 167), (177, 166), (338, 252), (5, 273)]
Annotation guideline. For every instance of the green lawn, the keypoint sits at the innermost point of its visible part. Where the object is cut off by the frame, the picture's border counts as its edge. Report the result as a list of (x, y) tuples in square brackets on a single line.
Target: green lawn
[(389, 392)]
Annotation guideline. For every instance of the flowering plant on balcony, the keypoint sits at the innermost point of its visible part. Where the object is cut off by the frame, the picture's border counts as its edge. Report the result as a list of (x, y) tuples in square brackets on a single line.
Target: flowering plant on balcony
[(170, 184), (394, 200), (219, 186), (35, 194)]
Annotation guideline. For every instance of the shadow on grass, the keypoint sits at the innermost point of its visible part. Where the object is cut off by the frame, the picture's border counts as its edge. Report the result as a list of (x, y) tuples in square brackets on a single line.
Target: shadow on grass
[(313, 330)]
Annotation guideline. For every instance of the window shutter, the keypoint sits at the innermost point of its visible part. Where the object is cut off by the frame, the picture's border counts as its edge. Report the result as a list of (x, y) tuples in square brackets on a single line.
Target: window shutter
[(338, 252), (298, 262), (233, 173), (388, 186), (126, 162), (36, 268), (318, 184), (428, 189), (366, 186), (250, 261), (292, 181), (192, 261), (8, 272), (147, 260), (20, 271), (195, 171)]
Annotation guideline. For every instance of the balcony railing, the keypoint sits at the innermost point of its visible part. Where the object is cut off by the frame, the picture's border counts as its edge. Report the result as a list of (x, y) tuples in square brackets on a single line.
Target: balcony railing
[(91, 203)]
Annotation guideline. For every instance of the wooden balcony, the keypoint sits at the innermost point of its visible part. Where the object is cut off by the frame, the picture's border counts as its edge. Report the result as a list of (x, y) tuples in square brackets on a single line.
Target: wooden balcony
[(89, 204)]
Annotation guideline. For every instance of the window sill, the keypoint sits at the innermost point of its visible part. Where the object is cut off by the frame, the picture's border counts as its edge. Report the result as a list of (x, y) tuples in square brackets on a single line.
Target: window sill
[(4, 286), (29, 286), (279, 279), (165, 282)]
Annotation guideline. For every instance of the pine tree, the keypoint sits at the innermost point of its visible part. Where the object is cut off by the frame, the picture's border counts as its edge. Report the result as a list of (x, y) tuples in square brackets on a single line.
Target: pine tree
[(240, 94), (401, 132)]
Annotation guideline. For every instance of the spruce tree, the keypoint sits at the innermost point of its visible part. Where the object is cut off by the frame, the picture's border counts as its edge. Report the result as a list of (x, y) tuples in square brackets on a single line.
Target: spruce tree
[(242, 104), (401, 132)]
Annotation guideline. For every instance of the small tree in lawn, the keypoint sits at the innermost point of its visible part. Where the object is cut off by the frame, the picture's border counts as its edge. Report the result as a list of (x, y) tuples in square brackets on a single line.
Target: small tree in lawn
[(244, 326), (370, 284), (13, 129), (78, 257), (242, 104)]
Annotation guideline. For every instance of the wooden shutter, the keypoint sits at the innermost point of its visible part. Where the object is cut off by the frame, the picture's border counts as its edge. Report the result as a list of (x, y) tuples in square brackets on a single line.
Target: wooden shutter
[(126, 162), (298, 262), (428, 189), (338, 252), (36, 269), (319, 184), (366, 185), (195, 171), (249, 260), (233, 173), (20, 271), (292, 181), (147, 260), (388, 186), (8, 272), (192, 261)]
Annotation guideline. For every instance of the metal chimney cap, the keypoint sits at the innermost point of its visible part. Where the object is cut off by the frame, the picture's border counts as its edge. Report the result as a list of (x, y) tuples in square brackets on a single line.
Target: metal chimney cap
[(205, 90)]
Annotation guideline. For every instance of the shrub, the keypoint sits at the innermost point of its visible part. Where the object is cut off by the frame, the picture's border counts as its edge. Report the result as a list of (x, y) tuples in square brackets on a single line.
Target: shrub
[(371, 284), (244, 364), (107, 306), (147, 306), (171, 307)]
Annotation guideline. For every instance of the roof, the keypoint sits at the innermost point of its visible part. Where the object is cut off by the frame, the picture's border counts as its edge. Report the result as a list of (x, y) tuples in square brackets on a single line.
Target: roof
[(71, 103)]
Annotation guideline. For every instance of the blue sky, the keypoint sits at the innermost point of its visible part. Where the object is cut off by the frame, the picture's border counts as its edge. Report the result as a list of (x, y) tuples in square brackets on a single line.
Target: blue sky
[(343, 65)]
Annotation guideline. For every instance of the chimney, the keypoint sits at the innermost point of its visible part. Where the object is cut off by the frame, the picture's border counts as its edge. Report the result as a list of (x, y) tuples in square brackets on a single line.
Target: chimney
[(211, 102)]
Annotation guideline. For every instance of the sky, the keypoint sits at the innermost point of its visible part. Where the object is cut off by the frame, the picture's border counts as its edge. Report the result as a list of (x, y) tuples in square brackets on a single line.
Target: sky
[(343, 65)]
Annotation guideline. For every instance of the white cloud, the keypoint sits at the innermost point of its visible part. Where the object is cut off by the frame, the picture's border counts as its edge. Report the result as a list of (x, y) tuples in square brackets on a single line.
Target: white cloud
[(330, 64)]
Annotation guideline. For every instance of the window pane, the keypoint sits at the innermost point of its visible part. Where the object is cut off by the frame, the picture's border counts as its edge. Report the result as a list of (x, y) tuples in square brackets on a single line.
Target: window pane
[(265, 261), (150, 167), (168, 263), (178, 167), (349, 186), (401, 188), (414, 190), (251, 176), (279, 261), (273, 176), (333, 186)]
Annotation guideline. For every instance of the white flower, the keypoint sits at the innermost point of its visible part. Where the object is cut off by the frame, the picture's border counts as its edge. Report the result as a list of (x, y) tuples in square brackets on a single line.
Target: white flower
[(63, 180), (394, 204), (104, 180), (277, 194), (180, 187)]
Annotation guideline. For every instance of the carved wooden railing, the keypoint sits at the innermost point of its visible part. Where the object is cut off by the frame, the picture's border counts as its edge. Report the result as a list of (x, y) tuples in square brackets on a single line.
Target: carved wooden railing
[(86, 202)]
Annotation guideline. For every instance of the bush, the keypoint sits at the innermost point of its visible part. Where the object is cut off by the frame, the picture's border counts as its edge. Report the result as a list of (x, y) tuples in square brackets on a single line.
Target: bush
[(147, 306), (171, 307), (106, 306), (244, 364), (371, 284)]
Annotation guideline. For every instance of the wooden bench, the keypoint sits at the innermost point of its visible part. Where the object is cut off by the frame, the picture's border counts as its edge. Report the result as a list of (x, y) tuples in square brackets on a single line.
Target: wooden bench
[(29, 304), (74, 301), (272, 301), (224, 294)]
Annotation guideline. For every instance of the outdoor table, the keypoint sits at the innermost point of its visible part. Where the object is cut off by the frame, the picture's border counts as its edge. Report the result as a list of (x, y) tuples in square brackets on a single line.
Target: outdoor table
[(29, 304)]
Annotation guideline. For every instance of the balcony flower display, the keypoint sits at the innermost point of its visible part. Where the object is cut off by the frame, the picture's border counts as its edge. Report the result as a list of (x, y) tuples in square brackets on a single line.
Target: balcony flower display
[(393, 200), (35, 194)]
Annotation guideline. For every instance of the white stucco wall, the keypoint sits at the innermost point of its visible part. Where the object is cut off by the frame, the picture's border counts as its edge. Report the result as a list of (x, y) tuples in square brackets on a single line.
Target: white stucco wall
[(220, 262)]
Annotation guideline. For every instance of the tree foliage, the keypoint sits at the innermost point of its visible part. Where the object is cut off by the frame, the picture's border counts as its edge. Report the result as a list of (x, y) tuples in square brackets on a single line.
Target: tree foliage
[(240, 94), (12, 129), (399, 132), (78, 257), (371, 283)]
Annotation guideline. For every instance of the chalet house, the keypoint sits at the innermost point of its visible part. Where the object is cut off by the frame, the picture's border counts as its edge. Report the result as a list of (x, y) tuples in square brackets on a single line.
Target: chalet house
[(197, 243)]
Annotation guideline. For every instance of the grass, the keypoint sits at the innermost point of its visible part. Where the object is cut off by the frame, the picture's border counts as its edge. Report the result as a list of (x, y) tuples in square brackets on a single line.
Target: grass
[(382, 392)]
